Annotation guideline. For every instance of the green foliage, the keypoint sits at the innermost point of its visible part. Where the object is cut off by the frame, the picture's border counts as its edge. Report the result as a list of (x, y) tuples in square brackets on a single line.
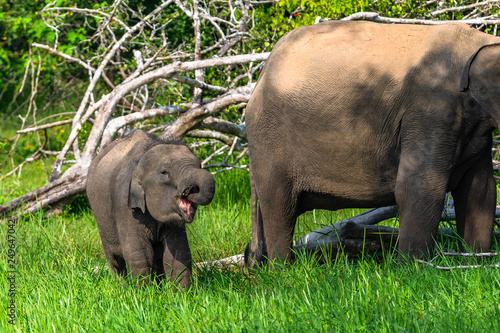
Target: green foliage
[(276, 20), (5, 145)]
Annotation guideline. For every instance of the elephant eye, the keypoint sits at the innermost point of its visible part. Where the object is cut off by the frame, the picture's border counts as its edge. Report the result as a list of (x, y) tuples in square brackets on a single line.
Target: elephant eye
[(165, 173)]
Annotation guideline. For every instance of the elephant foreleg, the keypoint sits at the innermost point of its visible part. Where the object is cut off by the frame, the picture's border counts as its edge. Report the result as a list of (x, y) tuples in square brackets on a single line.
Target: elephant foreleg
[(177, 256), (278, 218), (419, 221), (475, 200), (117, 264), (420, 192), (139, 260)]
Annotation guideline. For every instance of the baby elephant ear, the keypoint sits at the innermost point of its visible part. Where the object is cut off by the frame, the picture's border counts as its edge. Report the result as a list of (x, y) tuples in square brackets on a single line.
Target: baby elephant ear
[(136, 198)]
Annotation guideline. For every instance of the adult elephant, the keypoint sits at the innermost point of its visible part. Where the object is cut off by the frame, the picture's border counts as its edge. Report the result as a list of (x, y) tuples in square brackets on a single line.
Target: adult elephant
[(362, 114), (142, 192)]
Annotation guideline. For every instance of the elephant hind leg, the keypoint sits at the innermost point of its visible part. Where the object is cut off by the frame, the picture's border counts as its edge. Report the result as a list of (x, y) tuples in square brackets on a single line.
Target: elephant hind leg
[(255, 252), (475, 200), (278, 218)]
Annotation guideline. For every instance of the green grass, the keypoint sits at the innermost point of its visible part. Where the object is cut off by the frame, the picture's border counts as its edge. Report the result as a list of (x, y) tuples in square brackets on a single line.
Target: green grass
[(63, 283)]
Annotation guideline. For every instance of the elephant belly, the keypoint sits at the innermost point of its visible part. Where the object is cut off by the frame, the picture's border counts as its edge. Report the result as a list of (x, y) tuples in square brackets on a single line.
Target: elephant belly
[(336, 191), (333, 174), (313, 200)]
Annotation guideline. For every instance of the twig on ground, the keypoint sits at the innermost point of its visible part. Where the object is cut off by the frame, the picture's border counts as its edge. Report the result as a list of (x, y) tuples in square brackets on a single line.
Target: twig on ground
[(465, 255)]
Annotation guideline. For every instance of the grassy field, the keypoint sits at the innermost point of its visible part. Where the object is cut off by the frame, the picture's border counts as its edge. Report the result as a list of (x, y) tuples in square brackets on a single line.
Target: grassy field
[(62, 283)]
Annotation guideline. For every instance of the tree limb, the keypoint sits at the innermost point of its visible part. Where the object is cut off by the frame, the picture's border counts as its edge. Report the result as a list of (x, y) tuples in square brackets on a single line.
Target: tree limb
[(180, 127), (225, 127), (115, 124), (350, 237), (370, 16), (203, 134), (47, 194), (76, 120), (462, 8), (198, 84), (188, 120), (42, 127)]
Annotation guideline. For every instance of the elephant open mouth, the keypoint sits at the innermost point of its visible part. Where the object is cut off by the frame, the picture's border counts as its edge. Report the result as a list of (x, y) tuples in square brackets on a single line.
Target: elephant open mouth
[(187, 209)]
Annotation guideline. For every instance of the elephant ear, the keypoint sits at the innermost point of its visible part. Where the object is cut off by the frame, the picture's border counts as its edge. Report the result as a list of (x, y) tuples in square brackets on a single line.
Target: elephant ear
[(464, 79), (136, 197)]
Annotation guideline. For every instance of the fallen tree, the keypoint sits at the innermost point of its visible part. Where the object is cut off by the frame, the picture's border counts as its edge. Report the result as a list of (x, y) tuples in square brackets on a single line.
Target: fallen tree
[(351, 237)]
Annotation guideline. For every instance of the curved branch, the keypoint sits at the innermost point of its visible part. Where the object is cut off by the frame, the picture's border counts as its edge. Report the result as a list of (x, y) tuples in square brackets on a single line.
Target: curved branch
[(87, 11), (462, 8), (225, 127), (176, 130), (198, 84), (370, 16), (115, 124), (42, 127), (48, 194), (56, 171), (203, 134)]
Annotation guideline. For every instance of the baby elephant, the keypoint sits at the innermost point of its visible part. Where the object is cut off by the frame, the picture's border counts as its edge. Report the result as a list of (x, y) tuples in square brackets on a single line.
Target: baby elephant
[(142, 192)]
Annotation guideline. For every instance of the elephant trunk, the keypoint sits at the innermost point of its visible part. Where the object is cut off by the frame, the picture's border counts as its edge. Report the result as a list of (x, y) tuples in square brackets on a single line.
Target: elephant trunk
[(198, 187)]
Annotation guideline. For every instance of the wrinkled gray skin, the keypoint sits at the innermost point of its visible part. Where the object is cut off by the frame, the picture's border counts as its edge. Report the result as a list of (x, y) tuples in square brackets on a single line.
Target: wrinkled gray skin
[(142, 192), (360, 114)]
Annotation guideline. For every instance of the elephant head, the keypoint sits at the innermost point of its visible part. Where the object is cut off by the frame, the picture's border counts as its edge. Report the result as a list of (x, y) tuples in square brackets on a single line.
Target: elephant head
[(481, 78), (169, 184)]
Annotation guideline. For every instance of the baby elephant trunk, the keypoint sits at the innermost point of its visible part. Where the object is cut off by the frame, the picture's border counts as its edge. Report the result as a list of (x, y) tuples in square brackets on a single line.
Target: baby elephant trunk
[(198, 186)]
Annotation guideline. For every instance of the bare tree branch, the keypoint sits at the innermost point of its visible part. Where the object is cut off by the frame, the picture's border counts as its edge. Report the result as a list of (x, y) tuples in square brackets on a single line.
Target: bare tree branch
[(189, 119), (225, 127), (117, 123), (42, 127), (466, 255), (243, 24), (96, 13), (64, 55), (370, 16), (198, 84), (200, 72), (462, 8), (176, 130), (202, 134), (77, 184), (76, 120), (369, 217)]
